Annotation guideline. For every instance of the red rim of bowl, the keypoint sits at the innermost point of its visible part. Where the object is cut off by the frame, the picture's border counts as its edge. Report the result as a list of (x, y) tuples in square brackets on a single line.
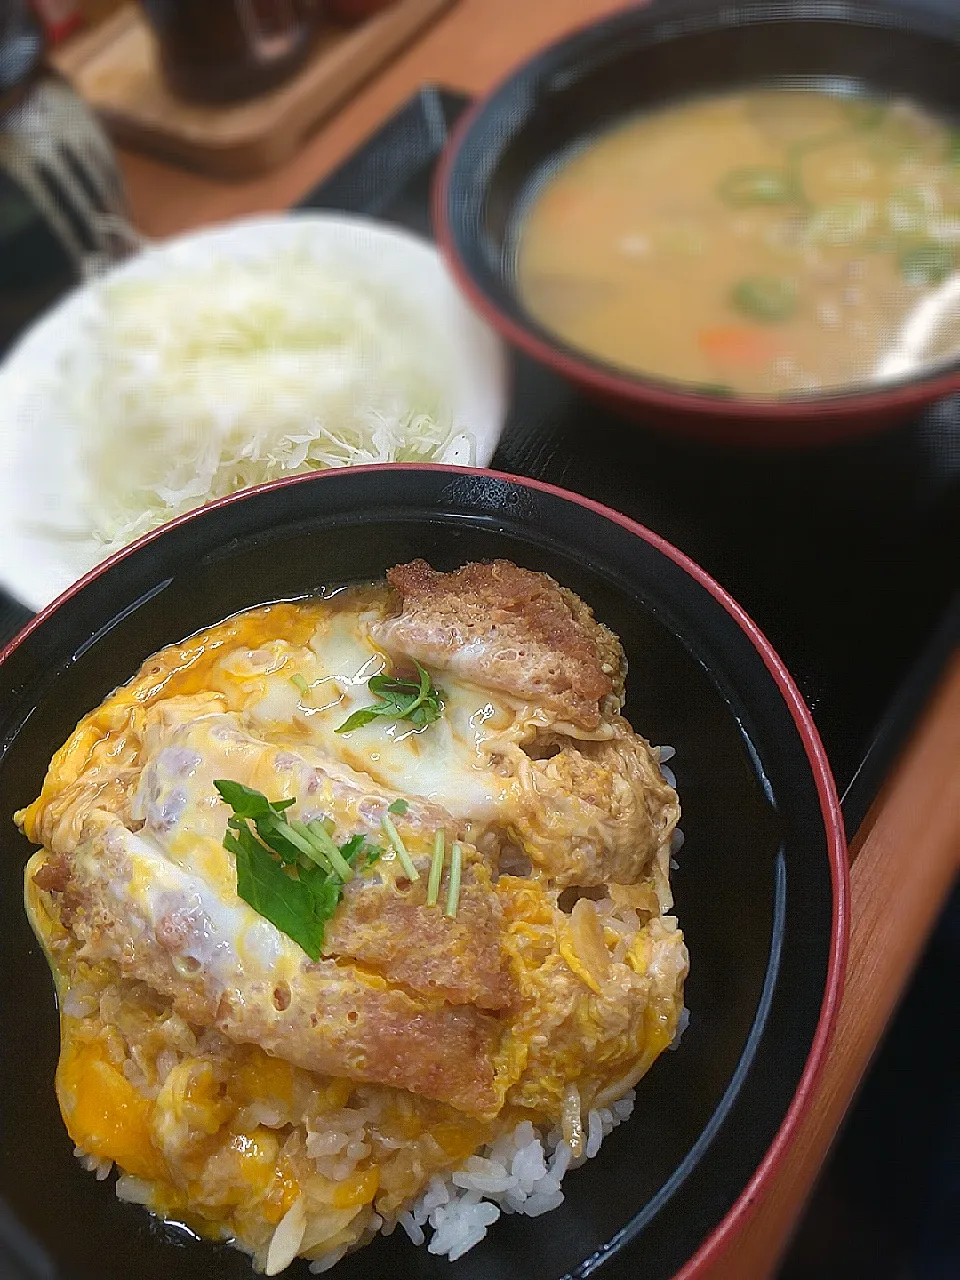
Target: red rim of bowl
[(747, 1202), (858, 410)]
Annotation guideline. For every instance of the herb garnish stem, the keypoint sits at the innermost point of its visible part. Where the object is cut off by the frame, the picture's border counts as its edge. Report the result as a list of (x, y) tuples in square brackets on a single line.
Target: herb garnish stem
[(436, 869), (393, 835), (327, 846), (298, 835), (453, 888)]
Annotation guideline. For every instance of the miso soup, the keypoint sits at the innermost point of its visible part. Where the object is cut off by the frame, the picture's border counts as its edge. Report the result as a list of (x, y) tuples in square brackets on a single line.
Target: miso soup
[(761, 243)]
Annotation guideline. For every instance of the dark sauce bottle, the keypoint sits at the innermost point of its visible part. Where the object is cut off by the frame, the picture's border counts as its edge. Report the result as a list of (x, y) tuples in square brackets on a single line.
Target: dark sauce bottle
[(226, 50)]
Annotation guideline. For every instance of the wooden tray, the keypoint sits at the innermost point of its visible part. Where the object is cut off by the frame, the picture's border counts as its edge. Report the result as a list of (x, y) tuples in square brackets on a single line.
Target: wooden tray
[(114, 67)]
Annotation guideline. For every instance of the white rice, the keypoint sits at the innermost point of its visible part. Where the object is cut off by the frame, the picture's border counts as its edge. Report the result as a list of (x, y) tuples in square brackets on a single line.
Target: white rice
[(93, 1164), (519, 1173), (662, 755), (683, 1021), (328, 1261)]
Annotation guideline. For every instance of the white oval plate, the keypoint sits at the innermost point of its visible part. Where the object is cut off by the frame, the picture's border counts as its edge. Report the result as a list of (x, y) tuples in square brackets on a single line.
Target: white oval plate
[(36, 568)]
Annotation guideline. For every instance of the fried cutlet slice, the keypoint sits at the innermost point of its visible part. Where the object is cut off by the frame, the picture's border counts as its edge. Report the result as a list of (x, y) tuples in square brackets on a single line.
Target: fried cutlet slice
[(511, 630), (223, 966)]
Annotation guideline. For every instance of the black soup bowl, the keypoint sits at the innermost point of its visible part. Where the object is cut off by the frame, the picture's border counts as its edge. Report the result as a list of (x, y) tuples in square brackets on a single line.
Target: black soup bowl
[(646, 57), (761, 887)]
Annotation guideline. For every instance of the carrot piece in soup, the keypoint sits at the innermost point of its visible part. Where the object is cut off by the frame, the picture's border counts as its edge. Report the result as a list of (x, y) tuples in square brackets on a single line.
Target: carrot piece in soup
[(739, 344)]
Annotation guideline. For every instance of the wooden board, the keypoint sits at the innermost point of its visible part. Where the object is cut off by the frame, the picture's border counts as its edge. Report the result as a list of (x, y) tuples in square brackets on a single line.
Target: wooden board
[(114, 67)]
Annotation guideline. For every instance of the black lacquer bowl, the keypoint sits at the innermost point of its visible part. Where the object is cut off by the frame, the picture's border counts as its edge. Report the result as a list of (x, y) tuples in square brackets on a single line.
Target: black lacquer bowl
[(644, 57), (761, 887)]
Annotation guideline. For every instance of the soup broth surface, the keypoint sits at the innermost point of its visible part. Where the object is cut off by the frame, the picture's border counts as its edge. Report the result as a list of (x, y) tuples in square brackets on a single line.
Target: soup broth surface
[(760, 243)]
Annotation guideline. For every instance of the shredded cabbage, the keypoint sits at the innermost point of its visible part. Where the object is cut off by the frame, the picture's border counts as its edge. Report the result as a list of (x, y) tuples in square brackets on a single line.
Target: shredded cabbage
[(200, 383)]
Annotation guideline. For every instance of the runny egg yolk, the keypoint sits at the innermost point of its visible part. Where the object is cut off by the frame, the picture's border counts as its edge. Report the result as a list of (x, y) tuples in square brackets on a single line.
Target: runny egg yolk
[(262, 1076), (357, 1189), (283, 1192), (104, 1114)]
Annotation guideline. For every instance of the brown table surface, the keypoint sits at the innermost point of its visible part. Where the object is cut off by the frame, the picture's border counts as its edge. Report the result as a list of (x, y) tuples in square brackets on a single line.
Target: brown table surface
[(908, 850)]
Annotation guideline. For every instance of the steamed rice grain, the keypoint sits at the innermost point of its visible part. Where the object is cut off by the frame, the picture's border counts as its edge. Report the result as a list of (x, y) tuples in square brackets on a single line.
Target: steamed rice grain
[(522, 1172)]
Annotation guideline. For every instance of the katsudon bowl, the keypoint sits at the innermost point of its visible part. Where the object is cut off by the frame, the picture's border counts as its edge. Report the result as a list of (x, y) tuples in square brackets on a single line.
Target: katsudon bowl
[(760, 883), (505, 168)]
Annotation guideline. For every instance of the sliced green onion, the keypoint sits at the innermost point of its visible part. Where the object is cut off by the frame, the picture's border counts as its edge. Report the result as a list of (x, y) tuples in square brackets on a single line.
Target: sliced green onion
[(398, 806), (453, 888), (300, 684), (317, 828), (843, 223), (744, 187), (928, 263), (767, 298), (393, 835), (436, 870)]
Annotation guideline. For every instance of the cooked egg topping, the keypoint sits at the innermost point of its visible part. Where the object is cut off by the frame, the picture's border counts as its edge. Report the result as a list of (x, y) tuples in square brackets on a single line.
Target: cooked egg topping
[(293, 1104)]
